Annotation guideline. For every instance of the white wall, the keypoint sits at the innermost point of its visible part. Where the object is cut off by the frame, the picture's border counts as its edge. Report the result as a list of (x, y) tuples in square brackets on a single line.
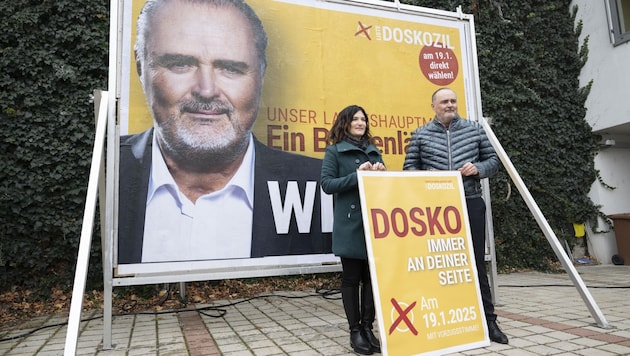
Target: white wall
[(609, 101), (614, 167), (608, 107)]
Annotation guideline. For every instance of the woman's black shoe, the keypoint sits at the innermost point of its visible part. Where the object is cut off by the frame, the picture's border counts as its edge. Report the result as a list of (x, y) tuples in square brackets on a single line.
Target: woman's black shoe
[(359, 343), (372, 339)]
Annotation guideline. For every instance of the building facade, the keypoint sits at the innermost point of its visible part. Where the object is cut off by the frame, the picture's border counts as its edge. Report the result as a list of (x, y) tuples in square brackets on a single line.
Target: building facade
[(606, 27)]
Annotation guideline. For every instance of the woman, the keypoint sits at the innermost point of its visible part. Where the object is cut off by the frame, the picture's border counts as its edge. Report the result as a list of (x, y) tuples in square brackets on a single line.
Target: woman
[(350, 149)]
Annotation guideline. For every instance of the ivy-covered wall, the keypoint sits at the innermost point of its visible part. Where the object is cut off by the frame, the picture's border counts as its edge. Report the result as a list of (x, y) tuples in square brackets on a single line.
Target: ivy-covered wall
[(53, 54)]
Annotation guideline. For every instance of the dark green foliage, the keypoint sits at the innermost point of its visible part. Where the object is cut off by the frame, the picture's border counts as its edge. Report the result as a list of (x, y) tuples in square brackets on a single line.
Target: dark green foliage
[(529, 63), (53, 54)]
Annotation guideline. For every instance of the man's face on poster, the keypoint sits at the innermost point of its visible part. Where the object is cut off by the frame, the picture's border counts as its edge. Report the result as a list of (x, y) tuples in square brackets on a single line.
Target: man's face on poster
[(202, 78)]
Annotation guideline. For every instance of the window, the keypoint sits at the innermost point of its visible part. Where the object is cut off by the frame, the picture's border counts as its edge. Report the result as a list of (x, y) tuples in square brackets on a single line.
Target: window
[(620, 20)]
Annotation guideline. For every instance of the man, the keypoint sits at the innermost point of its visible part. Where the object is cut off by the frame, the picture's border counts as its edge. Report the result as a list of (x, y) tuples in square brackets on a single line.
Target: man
[(449, 142), (198, 185)]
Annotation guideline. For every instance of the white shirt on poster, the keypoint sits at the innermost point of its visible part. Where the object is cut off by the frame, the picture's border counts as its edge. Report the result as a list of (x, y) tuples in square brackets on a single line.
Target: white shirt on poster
[(217, 226)]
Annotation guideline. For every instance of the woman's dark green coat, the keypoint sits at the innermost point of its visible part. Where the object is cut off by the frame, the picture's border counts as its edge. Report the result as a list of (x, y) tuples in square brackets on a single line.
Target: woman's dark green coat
[(339, 177)]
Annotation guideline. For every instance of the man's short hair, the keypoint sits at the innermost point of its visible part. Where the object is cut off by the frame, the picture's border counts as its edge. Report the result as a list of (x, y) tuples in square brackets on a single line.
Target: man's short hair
[(439, 90), (150, 7)]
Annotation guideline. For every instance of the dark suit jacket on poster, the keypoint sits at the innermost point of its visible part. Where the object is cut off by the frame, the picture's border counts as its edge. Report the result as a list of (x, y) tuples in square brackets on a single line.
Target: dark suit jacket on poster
[(270, 165)]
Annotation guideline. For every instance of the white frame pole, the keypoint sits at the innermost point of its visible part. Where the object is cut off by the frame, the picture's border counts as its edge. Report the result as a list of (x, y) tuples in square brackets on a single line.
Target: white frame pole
[(83, 257), (115, 45), (546, 228), (492, 256)]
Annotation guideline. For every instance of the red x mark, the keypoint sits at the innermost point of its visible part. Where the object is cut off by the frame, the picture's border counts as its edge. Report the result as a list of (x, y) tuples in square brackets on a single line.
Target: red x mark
[(364, 30), (402, 316)]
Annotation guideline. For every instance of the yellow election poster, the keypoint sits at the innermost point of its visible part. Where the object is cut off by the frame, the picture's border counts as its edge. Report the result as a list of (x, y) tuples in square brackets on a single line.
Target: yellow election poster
[(422, 264), (323, 56)]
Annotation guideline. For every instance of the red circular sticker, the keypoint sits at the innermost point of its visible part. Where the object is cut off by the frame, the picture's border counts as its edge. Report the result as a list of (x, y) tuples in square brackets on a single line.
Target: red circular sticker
[(439, 65)]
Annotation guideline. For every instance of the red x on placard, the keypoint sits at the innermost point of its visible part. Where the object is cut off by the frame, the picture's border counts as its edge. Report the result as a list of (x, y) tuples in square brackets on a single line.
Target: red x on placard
[(402, 316)]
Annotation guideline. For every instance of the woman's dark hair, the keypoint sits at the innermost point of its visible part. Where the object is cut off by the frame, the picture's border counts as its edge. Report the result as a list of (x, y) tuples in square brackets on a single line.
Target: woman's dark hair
[(339, 129)]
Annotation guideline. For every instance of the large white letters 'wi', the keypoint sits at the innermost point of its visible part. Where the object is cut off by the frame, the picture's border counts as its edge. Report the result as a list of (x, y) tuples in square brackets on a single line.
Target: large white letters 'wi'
[(292, 202)]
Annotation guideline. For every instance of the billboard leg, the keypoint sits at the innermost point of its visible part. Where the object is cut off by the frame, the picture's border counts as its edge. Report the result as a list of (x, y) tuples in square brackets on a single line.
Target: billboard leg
[(546, 228)]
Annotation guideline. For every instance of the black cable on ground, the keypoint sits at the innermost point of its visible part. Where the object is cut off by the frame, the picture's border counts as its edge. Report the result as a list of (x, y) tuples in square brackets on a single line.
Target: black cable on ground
[(43, 328), (130, 304)]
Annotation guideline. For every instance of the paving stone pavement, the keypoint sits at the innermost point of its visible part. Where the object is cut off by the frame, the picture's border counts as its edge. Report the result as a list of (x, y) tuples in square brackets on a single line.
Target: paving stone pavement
[(542, 314)]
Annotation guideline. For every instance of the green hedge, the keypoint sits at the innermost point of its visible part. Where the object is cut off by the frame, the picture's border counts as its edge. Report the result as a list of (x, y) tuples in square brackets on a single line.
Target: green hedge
[(53, 54)]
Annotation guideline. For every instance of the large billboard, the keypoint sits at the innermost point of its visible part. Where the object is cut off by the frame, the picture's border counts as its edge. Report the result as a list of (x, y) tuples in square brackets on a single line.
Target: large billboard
[(321, 56)]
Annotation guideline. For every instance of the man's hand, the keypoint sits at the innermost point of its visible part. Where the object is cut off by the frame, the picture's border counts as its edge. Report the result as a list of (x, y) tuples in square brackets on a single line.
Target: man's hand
[(468, 169)]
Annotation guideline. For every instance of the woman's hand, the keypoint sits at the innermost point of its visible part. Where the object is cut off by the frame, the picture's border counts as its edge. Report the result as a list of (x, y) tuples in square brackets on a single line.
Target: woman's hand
[(367, 166), (378, 166)]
